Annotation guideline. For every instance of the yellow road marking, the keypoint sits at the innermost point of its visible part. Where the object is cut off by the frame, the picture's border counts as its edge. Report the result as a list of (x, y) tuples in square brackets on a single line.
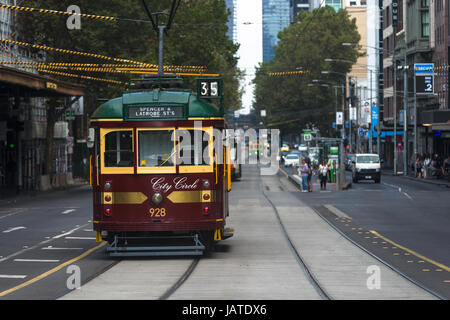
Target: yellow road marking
[(447, 281), (440, 265), (46, 274)]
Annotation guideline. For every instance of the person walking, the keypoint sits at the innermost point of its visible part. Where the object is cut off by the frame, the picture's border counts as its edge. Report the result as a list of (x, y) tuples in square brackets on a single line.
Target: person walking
[(418, 167), (323, 175), (308, 161), (304, 173)]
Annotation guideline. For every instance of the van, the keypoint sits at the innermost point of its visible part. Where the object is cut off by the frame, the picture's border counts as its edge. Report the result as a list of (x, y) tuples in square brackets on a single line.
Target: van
[(366, 166)]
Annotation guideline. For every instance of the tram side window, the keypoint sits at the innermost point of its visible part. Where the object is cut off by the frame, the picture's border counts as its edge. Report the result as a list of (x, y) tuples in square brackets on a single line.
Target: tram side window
[(119, 149), (156, 149), (192, 154)]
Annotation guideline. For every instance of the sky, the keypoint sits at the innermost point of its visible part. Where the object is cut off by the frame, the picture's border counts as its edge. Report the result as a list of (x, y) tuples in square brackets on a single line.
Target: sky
[(249, 36)]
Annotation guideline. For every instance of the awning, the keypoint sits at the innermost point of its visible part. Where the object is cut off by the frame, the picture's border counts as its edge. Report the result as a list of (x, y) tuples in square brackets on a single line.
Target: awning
[(436, 119), (34, 85)]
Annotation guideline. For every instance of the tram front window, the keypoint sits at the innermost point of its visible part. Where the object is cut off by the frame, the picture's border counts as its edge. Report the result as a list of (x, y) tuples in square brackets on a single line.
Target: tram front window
[(119, 149), (192, 154), (156, 148)]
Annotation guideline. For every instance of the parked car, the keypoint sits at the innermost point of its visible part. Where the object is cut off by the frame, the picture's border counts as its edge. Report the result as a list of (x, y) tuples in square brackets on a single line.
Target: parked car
[(292, 159), (366, 166)]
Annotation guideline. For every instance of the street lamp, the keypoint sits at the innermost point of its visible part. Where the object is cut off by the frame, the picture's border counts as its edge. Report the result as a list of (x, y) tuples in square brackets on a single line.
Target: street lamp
[(394, 67)]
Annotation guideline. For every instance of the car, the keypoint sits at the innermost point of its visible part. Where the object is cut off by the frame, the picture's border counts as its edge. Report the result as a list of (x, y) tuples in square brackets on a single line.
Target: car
[(366, 166), (284, 148), (292, 160)]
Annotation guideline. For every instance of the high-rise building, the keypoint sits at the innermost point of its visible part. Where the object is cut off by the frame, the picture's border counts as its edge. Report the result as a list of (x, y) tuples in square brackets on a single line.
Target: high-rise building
[(232, 20), (276, 17), (336, 4)]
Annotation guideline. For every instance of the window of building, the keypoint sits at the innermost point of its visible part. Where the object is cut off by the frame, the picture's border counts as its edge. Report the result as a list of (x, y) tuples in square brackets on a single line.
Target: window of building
[(425, 22)]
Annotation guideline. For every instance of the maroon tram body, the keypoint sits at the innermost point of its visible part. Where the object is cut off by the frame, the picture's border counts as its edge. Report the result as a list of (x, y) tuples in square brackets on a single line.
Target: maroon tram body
[(142, 189)]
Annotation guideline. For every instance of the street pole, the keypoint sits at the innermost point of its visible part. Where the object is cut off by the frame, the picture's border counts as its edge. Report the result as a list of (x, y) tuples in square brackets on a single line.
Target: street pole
[(405, 118), (415, 124), (395, 114), (371, 120), (343, 113)]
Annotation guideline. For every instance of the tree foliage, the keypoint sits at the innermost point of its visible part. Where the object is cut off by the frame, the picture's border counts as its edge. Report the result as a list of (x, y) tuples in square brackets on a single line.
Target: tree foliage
[(197, 37), (291, 102)]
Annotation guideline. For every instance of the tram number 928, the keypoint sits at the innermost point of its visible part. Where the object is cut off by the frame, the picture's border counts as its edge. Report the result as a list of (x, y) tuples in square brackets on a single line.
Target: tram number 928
[(157, 212)]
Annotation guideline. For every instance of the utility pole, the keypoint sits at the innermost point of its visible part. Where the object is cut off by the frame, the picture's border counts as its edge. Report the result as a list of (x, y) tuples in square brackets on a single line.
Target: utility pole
[(405, 117), (371, 120), (395, 113)]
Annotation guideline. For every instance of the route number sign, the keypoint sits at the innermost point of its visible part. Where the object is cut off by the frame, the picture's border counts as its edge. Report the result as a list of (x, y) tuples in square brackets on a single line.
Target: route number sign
[(209, 88)]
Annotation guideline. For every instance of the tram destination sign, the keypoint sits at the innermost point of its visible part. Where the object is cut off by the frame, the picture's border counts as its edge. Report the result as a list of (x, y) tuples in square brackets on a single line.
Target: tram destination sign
[(155, 112)]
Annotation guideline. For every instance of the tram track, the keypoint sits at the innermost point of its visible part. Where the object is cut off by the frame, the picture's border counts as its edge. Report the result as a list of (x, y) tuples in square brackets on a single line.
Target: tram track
[(307, 271), (169, 292)]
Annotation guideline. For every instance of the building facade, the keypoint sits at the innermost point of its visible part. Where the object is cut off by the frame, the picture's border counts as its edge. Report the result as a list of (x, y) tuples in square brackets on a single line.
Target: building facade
[(414, 32), (276, 17), (232, 20)]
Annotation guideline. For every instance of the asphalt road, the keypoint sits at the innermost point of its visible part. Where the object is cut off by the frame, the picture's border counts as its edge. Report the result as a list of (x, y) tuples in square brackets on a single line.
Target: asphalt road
[(42, 239), (401, 221)]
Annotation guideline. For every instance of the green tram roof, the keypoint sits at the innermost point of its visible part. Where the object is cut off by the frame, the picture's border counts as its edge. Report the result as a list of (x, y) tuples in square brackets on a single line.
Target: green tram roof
[(193, 107)]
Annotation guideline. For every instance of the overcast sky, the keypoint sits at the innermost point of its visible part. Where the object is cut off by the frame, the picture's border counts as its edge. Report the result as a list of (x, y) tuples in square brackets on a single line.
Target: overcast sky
[(250, 38)]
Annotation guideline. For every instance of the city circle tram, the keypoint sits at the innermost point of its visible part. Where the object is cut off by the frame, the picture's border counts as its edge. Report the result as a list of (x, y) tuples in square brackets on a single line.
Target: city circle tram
[(155, 192)]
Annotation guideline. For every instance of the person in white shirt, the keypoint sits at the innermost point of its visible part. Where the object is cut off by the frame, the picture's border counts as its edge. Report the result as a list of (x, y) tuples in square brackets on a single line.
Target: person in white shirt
[(323, 175)]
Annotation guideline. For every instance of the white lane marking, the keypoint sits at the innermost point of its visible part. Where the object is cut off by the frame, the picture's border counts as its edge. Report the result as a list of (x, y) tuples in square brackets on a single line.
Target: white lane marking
[(66, 233), (407, 195), (68, 211), (34, 260), (18, 210), (79, 238), (8, 276), (14, 229), (54, 248), (35, 246)]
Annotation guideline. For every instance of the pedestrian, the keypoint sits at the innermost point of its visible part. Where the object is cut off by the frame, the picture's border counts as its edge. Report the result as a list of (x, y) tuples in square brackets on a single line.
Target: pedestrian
[(426, 164), (418, 167), (304, 173), (323, 175), (308, 161)]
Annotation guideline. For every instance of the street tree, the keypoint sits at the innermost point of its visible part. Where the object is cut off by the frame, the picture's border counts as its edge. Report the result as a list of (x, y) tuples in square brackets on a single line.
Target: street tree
[(294, 102), (197, 37)]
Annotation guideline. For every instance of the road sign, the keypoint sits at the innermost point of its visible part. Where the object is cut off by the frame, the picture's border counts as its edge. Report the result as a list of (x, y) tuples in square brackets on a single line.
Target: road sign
[(339, 118), (361, 131), (424, 84), (424, 68), (353, 113)]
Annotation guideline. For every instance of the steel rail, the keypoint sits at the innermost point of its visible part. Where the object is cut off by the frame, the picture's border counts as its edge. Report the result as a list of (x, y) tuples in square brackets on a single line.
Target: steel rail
[(312, 279)]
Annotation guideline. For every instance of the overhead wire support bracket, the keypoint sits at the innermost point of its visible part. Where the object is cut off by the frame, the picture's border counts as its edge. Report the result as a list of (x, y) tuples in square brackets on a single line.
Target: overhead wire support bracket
[(160, 29)]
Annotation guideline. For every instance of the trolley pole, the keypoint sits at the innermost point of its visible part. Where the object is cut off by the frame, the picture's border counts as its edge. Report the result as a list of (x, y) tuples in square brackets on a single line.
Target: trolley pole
[(161, 30)]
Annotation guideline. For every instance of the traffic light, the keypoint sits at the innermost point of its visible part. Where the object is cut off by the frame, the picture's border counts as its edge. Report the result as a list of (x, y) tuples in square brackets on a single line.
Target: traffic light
[(11, 140)]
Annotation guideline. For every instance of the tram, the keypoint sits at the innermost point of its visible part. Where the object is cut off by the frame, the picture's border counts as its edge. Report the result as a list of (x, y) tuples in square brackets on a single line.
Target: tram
[(148, 197)]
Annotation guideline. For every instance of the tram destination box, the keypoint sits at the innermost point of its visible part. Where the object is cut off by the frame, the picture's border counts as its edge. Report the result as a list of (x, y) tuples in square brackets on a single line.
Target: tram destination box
[(154, 112)]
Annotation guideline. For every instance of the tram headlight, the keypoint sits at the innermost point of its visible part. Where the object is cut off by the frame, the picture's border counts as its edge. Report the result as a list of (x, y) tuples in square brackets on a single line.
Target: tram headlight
[(108, 185), (206, 183)]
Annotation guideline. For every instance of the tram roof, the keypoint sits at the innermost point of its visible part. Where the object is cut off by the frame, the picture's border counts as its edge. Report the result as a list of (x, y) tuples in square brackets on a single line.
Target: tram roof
[(115, 108)]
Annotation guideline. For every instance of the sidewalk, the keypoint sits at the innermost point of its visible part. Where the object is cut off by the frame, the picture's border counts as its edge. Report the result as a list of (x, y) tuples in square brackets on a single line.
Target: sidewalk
[(437, 182), (12, 195)]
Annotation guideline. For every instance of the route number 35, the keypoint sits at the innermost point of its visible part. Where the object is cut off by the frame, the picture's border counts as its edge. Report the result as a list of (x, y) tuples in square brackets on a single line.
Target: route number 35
[(209, 89)]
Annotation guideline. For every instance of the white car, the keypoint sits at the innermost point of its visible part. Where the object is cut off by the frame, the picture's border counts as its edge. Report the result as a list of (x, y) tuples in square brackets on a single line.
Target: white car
[(292, 159), (366, 166)]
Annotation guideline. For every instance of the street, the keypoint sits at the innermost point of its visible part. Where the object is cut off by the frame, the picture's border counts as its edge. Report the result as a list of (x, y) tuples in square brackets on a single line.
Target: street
[(280, 234)]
